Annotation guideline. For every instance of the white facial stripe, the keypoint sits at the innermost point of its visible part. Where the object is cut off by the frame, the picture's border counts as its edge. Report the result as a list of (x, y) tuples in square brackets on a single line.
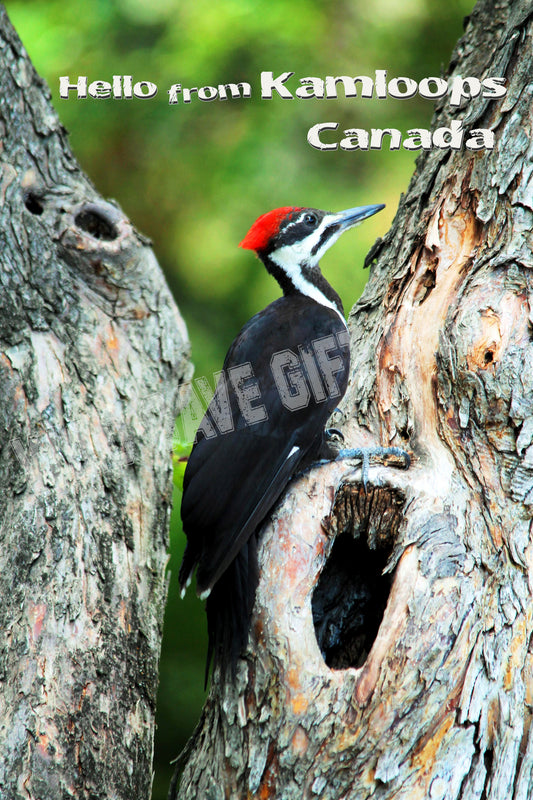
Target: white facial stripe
[(298, 219), (288, 259), (291, 256), (311, 241), (295, 221), (331, 219)]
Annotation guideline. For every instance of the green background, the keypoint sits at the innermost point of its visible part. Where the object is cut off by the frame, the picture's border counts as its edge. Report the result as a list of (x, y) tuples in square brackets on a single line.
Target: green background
[(194, 177)]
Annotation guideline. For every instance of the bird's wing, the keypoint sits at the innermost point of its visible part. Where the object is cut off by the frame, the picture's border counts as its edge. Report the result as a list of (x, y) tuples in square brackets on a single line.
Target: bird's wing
[(234, 483)]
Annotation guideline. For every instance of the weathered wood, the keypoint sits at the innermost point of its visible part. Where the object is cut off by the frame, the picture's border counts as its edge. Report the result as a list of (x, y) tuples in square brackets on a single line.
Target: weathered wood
[(92, 352), (438, 705)]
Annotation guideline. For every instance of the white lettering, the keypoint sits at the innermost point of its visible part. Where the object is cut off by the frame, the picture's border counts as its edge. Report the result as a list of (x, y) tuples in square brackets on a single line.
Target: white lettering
[(314, 139), (269, 84)]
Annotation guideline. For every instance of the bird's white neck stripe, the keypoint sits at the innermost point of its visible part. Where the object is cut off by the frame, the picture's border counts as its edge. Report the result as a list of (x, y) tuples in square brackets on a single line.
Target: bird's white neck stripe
[(287, 258)]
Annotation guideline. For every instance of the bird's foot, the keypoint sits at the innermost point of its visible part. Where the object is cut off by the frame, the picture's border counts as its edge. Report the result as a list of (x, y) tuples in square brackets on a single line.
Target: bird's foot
[(366, 453), (363, 453)]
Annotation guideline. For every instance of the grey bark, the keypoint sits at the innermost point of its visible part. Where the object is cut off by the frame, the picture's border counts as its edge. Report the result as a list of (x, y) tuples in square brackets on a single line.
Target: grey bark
[(437, 701), (92, 354)]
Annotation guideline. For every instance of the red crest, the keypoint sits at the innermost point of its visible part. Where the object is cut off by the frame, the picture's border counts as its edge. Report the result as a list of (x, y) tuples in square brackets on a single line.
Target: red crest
[(265, 227)]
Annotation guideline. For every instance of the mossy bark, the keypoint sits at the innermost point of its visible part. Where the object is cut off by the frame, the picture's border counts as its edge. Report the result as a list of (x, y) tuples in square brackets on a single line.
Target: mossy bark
[(437, 702), (92, 354)]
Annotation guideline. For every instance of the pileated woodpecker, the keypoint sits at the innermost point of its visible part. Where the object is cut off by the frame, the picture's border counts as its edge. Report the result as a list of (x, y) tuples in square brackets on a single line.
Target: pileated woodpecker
[(283, 376)]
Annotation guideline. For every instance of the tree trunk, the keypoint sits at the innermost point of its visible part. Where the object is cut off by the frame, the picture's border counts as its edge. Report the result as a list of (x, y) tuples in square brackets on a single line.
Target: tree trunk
[(390, 654), (92, 352)]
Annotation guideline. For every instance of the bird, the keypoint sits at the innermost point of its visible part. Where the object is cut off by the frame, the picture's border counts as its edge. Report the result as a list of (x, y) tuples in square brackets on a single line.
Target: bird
[(283, 376)]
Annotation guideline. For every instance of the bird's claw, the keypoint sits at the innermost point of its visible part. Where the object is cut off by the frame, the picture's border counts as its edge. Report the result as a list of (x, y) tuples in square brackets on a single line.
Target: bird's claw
[(332, 433), (365, 453)]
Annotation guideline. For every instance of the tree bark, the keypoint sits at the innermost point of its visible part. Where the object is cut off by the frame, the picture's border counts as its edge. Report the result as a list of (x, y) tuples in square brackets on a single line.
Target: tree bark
[(92, 353), (391, 650)]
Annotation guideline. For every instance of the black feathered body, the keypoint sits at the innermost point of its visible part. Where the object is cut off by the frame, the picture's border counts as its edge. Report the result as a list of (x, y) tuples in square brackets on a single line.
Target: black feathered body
[(234, 478)]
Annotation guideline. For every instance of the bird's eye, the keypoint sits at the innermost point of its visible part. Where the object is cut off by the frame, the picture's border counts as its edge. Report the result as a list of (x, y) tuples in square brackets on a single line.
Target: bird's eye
[(310, 219)]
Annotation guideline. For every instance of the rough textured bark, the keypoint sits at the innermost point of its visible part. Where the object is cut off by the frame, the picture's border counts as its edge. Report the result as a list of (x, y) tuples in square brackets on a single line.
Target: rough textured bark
[(427, 691), (92, 352)]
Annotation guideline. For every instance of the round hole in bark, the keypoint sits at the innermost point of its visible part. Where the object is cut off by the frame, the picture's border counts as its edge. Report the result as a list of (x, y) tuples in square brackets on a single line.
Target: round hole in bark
[(33, 203), (93, 221), (352, 592)]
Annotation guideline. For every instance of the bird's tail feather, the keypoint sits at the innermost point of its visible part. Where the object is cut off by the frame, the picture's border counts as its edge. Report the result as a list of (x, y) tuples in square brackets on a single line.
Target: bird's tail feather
[(187, 567), (229, 610)]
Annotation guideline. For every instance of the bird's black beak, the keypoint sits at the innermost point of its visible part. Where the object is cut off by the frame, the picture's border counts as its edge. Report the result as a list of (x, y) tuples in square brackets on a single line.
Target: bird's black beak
[(353, 216)]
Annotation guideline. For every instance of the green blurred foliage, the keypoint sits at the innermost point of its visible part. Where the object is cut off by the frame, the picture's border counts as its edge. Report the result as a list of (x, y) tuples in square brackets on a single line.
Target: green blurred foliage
[(194, 177)]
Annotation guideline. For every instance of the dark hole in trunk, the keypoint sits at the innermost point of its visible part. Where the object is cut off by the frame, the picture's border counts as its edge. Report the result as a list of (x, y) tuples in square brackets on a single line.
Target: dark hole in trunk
[(33, 203), (352, 591), (95, 221), (349, 601)]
